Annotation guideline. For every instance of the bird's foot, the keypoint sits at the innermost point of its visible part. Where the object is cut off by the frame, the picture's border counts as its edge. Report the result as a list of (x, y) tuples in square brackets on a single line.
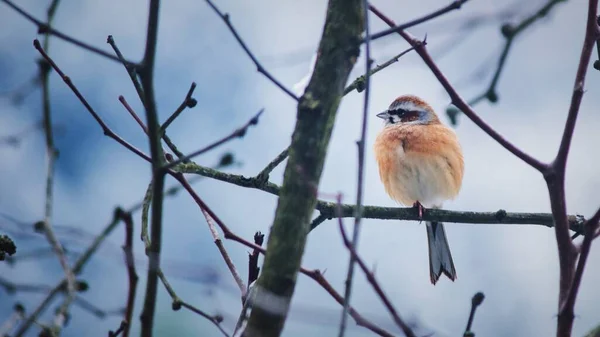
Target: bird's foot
[(420, 209)]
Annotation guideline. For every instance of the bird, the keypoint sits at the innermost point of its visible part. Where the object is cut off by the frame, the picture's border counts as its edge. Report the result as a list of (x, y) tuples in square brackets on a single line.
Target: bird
[(421, 163)]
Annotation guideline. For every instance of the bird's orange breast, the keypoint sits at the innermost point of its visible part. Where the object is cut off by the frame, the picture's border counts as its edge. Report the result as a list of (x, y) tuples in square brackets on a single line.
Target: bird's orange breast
[(419, 163)]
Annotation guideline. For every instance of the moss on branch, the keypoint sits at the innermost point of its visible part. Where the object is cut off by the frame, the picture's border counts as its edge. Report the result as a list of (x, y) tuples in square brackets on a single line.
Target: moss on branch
[(338, 51)]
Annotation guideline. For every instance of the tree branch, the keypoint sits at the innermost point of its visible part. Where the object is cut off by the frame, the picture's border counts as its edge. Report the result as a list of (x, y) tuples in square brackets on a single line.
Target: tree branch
[(510, 32), (373, 281), (131, 272), (146, 73), (44, 28), (457, 99), (361, 171), (327, 209), (259, 67), (395, 29)]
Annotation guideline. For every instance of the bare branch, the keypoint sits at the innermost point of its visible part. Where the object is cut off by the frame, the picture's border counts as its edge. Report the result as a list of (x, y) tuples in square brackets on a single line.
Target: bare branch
[(475, 303), (457, 99), (395, 29), (373, 281), (259, 67), (131, 272), (124, 325), (361, 171), (188, 102), (510, 32), (359, 83), (225, 255), (328, 209), (44, 28), (238, 133), (107, 131), (264, 174)]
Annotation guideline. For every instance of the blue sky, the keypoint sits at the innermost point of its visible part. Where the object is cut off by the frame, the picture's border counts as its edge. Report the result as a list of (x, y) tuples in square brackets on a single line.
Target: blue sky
[(515, 266)]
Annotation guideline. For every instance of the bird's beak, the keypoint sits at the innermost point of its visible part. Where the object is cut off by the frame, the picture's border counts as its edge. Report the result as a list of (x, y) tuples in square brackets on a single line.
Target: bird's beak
[(383, 115)]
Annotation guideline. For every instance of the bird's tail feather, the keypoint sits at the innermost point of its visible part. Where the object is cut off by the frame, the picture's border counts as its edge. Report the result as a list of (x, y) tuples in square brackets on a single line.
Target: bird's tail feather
[(440, 258)]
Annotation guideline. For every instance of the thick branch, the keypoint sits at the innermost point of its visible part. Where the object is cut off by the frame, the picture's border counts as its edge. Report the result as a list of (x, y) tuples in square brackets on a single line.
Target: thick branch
[(146, 73), (317, 109)]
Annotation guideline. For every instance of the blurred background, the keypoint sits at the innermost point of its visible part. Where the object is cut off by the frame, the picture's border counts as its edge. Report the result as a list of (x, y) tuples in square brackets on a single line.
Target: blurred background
[(516, 266)]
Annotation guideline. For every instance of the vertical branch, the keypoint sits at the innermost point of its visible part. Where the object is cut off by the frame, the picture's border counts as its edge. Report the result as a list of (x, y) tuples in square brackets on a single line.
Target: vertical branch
[(317, 109), (146, 72), (361, 168), (130, 264), (555, 178), (52, 153)]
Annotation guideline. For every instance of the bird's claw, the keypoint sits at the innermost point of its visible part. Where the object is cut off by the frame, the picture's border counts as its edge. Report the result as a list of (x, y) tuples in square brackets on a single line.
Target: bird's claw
[(420, 209)]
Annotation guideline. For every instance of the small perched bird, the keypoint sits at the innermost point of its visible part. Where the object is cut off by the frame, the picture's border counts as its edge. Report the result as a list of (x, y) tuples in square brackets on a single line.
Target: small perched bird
[(421, 164)]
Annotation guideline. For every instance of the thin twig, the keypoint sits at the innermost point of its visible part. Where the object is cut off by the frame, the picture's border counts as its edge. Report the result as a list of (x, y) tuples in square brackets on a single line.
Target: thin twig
[(219, 243), (133, 114), (121, 329), (107, 131), (140, 91), (510, 32), (359, 83), (475, 303), (373, 281), (264, 174), (52, 153), (215, 319), (43, 28), (238, 133), (131, 272), (188, 102), (259, 67), (361, 172), (394, 29), (131, 71), (177, 302)]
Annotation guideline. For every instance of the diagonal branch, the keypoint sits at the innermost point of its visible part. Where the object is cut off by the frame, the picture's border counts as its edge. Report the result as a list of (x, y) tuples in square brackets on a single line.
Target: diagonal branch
[(457, 100), (238, 133), (44, 28), (373, 281), (395, 29), (259, 67), (358, 84)]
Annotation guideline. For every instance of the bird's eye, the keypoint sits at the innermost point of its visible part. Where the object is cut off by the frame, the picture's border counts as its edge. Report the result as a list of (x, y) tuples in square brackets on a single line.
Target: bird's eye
[(398, 112)]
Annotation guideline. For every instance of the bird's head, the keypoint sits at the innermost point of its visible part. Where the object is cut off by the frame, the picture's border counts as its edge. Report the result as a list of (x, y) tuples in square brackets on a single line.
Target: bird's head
[(409, 110)]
